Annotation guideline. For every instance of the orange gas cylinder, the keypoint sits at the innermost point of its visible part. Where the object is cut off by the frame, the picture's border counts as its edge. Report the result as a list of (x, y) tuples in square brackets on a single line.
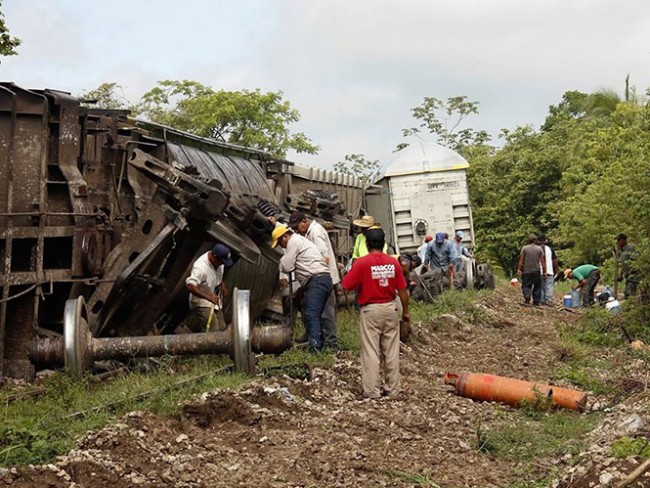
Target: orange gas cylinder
[(511, 391)]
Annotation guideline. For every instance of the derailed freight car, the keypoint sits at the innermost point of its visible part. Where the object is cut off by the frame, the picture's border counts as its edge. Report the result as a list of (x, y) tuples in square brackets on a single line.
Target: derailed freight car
[(96, 205), (424, 191)]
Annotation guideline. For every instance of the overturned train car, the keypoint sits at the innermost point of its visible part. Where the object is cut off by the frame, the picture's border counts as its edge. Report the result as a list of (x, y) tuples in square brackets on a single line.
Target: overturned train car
[(97, 205)]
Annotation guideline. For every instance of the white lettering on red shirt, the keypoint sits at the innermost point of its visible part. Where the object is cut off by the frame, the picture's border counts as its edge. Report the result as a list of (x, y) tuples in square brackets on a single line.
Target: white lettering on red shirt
[(382, 273)]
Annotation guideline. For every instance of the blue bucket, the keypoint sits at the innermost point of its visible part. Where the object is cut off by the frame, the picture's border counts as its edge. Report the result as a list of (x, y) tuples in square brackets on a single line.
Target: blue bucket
[(567, 301)]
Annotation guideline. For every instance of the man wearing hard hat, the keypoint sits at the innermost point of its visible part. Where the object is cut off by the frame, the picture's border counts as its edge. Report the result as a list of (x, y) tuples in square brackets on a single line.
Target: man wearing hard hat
[(303, 258)]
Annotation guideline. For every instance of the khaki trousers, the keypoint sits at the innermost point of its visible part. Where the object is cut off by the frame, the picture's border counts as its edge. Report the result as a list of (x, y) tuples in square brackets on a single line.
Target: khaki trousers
[(379, 330), (197, 321)]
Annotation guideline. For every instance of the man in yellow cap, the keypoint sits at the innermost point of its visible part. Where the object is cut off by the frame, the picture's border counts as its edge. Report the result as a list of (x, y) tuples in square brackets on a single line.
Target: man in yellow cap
[(316, 233), (304, 259)]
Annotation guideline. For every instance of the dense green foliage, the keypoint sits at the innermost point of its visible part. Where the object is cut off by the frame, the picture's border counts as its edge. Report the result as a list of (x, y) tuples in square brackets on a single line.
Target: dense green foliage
[(581, 179)]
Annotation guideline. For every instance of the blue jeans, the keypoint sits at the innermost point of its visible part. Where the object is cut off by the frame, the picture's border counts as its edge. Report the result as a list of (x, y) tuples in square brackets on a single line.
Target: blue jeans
[(458, 263), (547, 289), (317, 291)]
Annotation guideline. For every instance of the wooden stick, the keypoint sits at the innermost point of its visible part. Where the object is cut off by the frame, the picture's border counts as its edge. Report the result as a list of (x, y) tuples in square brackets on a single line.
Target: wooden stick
[(24, 394), (634, 475)]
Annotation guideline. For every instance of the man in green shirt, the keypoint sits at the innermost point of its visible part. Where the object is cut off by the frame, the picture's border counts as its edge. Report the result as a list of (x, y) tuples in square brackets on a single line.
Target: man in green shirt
[(588, 277)]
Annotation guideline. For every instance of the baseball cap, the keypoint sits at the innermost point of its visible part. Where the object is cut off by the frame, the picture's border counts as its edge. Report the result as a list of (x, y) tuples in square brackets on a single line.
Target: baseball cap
[(567, 272), (223, 253), (440, 237), (460, 233), (296, 218), (428, 239)]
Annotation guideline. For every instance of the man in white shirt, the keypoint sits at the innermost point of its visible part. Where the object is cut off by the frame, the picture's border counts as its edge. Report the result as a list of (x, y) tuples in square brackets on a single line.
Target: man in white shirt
[(304, 259), (551, 269), (206, 289), (316, 233)]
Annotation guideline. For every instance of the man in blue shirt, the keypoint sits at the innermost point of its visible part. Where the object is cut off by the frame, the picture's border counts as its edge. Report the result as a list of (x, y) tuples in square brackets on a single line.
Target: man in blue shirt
[(440, 255)]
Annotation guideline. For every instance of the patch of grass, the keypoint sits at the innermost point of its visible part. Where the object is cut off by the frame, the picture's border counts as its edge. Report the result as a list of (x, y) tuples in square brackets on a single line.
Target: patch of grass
[(587, 352), (580, 376), (525, 481), (636, 319), (628, 446), (348, 330), (536, 407), (34, 430), (461, 303), (552, 435), (296, 356), (347, 324), (596, 329)]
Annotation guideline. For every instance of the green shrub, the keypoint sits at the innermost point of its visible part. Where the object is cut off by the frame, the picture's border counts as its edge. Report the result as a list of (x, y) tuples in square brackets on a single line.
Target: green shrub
[(627, 446)]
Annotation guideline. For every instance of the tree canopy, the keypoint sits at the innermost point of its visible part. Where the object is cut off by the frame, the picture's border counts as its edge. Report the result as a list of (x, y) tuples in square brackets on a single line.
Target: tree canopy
[(106, 96), (445, 121), (249, 118)]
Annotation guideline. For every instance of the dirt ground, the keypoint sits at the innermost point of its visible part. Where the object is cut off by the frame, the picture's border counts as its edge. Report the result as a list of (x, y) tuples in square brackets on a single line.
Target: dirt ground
[(320, 432)]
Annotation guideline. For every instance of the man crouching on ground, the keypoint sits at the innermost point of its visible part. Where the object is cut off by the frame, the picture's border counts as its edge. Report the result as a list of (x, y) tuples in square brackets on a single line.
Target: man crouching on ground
[(377, 276)]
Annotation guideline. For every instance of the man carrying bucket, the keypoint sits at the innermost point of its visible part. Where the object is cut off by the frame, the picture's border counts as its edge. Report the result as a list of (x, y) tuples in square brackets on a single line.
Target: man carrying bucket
[(588, 277)]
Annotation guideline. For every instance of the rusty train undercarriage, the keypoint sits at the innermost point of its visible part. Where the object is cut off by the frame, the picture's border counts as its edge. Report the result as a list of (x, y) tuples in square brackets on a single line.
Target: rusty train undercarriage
[(100, 208)]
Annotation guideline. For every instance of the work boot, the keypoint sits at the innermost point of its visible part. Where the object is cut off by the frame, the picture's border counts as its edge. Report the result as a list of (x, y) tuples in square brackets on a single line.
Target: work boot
[(302, 339), (526, 300)]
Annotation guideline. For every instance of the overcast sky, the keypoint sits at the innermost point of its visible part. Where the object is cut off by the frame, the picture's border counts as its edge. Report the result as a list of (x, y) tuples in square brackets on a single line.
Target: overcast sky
[(353, 68)]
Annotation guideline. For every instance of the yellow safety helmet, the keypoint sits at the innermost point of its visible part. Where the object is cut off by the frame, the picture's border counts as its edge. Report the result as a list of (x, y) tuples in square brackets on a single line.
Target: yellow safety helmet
[(278, 232)]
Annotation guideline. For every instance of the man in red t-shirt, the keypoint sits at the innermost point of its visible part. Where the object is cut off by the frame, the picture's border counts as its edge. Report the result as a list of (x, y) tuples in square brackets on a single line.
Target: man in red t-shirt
[(377, 277)]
